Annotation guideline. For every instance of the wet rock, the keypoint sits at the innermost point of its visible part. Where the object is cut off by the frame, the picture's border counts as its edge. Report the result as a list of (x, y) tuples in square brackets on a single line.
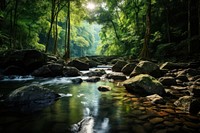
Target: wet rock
[(71, 72), (194, 106), (50, 70), (195, 90), (78, 64), (118, 66), (146, 67), (98, 72), (156, 120), (168, 81), (30, 98), (84, 126), (104, 88), (43, 71), (144, 84), (14, 70), (93, 79), (183, 78), (28, 60), (156, 99), (184, 102), (116, 76), (128, 68), (77, 80), (171, 65), (138, 129)]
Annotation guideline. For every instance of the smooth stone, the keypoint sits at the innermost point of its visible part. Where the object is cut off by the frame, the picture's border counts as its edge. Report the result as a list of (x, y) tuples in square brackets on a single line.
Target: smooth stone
[(156, 120), (104, 88)]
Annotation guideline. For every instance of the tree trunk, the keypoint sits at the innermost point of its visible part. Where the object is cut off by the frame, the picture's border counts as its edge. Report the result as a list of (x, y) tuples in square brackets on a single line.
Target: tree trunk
[(56, 35), (66, 26), (68, 35), (11, 29), (2, 5), (189, 25), (199, 16), (51, 25), (115, 29), (15, 23), (166, 7), (145, 51)]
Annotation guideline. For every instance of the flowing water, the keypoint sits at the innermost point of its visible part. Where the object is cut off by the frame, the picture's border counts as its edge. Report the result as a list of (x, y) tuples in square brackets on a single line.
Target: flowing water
[(78, 101)]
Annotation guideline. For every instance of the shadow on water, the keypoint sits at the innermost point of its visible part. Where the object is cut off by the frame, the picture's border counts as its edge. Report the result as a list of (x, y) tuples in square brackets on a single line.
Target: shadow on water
[(78, 102)]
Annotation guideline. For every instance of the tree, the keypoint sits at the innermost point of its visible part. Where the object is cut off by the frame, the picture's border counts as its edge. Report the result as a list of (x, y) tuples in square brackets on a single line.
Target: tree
[(145, 51)]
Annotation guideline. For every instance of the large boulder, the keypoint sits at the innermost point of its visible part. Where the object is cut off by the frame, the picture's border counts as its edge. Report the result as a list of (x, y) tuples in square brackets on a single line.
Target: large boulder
[(50, 70), (128, 68), (30, 98), (118, 66), (146, 67), (28, 60), (14, 70), (168, 81), (71, 72), (79, 64), (171, 65), (97, 72), (144, 84)]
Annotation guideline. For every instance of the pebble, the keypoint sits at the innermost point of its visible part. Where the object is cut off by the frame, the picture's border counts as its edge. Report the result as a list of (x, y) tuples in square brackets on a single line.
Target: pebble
[(191, 124), (156, 120), (168, 123), (171, 111)]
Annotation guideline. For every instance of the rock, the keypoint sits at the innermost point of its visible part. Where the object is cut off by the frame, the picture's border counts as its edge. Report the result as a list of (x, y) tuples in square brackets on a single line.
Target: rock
[(146, 67), (71, 72), (128, 68), (118, 66), (144, 84), (84, 126), (14, 70), (31, 98), (156, 120), (93, 79), (168, 81), (43, 71), (138, 129), (50, 70), (155, 99), (183, 78), (98, 72), (104, 88), (195, 90), (29, 60), (194, 106), (79, 64), (171, 65), (56, 69), (184, 102), (77, 80), (116, 76)]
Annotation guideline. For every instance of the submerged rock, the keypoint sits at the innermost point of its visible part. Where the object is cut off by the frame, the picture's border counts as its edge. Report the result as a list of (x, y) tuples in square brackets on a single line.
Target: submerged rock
[(144, 84), (93, 79), (30, 98), (104, 88)]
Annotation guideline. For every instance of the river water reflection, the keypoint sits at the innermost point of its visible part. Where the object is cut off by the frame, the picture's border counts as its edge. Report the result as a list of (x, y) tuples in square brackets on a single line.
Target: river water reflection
[(78, 101)]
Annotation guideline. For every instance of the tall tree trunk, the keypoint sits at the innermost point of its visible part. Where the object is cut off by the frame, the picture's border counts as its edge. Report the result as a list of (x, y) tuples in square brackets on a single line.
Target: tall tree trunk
[(51, 25), (199, 16), (189, 25), (56, 35), (2, 5), (166, 7), (15, 23), (68, 35), (66, 27), (11, 29), (145, 51)]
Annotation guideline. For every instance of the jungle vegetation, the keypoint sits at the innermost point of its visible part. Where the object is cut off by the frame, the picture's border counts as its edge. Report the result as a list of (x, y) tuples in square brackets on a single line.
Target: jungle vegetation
[(138, 28)]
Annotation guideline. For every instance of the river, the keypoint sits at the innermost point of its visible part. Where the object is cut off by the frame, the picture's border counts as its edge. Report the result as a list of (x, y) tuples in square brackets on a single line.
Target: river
[(78, 101)]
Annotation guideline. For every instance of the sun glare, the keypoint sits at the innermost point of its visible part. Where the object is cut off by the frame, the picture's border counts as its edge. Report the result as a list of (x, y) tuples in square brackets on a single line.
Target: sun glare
[(91, 6)]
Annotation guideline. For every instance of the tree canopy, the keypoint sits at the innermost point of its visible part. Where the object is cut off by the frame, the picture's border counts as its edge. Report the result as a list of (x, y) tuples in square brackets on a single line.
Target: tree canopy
[(112, 27)]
